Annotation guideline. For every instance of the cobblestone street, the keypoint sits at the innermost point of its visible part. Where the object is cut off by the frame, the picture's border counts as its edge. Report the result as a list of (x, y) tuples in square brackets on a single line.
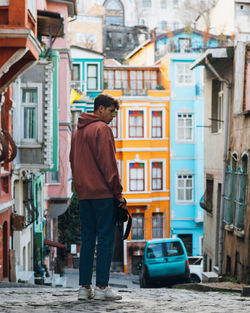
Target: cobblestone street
[(41, 300)]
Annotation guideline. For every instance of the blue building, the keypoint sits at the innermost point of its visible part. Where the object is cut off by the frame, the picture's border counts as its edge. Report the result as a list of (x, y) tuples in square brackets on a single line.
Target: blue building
[(87, 79), (186, 133)]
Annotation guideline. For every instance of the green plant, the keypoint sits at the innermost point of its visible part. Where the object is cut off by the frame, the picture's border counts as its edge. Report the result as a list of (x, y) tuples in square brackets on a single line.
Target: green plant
[(230, 279)]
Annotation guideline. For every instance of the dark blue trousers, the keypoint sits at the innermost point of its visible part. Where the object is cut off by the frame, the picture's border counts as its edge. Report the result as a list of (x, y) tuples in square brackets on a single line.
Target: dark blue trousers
[(97, 225)]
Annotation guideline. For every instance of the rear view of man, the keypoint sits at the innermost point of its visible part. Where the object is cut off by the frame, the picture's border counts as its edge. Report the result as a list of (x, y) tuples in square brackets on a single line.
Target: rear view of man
[(97, 184)]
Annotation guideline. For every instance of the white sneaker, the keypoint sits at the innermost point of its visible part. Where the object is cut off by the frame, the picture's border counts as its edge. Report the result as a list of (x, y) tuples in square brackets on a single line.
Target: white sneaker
[(106, 294), (85, 294)]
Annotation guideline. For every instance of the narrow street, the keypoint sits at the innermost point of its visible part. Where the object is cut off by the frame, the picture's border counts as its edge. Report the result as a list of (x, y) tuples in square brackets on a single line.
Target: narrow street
[(41, 300)]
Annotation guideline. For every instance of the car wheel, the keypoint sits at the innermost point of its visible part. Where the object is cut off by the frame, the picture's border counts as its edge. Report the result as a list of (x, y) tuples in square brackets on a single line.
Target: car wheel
[(195, 279), (144, 282)]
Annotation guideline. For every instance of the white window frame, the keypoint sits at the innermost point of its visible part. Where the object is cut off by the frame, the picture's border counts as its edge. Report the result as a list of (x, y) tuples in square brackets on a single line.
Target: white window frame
[(32, 7), (147, 4), (188, 84), (164, 179), (220, 108), (144, 123), (163, 123), (163, 4), (184, 172), (145, 177), (177, 128), (119, 126), (81, 81), (98, 76), (4, 2), (39, 114)]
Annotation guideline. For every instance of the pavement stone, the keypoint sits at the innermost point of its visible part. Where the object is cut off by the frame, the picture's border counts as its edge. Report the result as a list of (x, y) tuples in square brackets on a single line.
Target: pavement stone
[(156, 300)]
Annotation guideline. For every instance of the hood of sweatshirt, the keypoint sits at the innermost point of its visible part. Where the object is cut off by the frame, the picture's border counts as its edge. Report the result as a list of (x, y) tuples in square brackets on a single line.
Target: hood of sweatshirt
[(86, 119)]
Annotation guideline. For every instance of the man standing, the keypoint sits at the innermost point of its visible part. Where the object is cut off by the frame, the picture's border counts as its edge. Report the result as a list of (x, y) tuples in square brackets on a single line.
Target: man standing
[(97, 184)]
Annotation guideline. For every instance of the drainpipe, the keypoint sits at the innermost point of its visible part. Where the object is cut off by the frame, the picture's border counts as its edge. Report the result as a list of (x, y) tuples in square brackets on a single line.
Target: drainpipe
[(226, 131)]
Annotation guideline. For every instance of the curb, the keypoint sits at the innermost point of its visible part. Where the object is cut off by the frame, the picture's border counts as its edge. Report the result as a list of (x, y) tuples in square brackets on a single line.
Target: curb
[(20, 285), (205, 288)]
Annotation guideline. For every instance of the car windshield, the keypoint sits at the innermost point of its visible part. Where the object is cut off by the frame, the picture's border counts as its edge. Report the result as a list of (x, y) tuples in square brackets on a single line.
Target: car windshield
[(173, 248)]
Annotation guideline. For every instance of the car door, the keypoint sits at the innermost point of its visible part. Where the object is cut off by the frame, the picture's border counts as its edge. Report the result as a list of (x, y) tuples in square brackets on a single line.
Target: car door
[(175, 258), (156, 262)]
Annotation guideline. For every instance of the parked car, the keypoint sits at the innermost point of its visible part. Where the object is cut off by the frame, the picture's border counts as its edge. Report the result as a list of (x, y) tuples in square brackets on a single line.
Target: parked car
[(196, 268), (164, 261)]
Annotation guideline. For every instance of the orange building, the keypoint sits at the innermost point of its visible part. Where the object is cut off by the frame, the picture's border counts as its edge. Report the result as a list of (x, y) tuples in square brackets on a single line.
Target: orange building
[(141, 131)]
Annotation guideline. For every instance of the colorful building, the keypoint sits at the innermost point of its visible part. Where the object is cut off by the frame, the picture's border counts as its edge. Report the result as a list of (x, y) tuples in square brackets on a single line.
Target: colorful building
[(86, 80), (19, 49), (141, 131), (186, 132)]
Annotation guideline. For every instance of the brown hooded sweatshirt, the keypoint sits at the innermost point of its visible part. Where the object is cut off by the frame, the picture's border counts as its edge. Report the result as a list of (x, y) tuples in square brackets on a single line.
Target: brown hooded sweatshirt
[(93, 162)]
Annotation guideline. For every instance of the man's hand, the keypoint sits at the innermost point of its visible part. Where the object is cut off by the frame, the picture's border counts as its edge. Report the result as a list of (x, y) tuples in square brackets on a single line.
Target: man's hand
[(122, 202)]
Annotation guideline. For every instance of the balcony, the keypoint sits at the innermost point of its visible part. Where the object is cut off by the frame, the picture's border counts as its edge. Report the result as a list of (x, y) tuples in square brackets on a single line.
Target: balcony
[(132, 81), (79, 86)]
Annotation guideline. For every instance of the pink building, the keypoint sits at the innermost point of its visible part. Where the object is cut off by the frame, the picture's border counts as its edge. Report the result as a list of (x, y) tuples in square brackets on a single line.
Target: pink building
[(58, 184)]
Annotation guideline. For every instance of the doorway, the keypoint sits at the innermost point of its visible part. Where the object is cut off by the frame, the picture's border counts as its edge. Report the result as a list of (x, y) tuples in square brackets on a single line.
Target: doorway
[(5, 250)]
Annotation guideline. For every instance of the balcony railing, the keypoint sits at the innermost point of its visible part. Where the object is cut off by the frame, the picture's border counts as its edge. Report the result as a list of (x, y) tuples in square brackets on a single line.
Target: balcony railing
[(78, 85), (132, 81)]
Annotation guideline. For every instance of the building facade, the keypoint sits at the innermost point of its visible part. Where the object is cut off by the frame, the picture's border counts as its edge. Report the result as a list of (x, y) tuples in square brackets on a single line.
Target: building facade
[(141, 131), (19, 49), (186, 133), (226, 200)]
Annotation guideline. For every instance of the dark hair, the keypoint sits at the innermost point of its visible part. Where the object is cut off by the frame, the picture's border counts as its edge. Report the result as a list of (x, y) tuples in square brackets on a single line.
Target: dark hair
[(106, 101)]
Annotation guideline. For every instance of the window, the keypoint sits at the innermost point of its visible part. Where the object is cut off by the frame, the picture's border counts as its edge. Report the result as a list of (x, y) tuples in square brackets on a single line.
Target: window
[(32, 7), (138, 226), (119, 40), (184, 188), (246, 106), (164, 25), (132, 82), (217, 106), (184, 76), (157, 181), (146, 3), (157, 225), (235, 192), (173, 248), (184, 127), (54, 177), (76, 77), (155, 251), (230, 188), (175, 25), (114, 12), (92, 76), (136, 124), (76, 72), (184, 44), (156, 124), (29, 109), (136, 177), (114, 126), (163, 4), (241, 194), (220, 107), (175, 4)]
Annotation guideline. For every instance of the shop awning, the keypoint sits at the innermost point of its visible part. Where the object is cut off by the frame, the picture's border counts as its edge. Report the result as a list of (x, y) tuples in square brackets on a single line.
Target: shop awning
[(53, 244)]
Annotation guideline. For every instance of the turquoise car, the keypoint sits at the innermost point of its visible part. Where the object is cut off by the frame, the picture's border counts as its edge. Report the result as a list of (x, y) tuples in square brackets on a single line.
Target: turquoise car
[(165, 261)]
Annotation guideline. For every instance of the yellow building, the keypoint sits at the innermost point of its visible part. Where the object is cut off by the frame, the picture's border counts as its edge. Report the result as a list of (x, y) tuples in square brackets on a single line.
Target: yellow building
[(141, 131)]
